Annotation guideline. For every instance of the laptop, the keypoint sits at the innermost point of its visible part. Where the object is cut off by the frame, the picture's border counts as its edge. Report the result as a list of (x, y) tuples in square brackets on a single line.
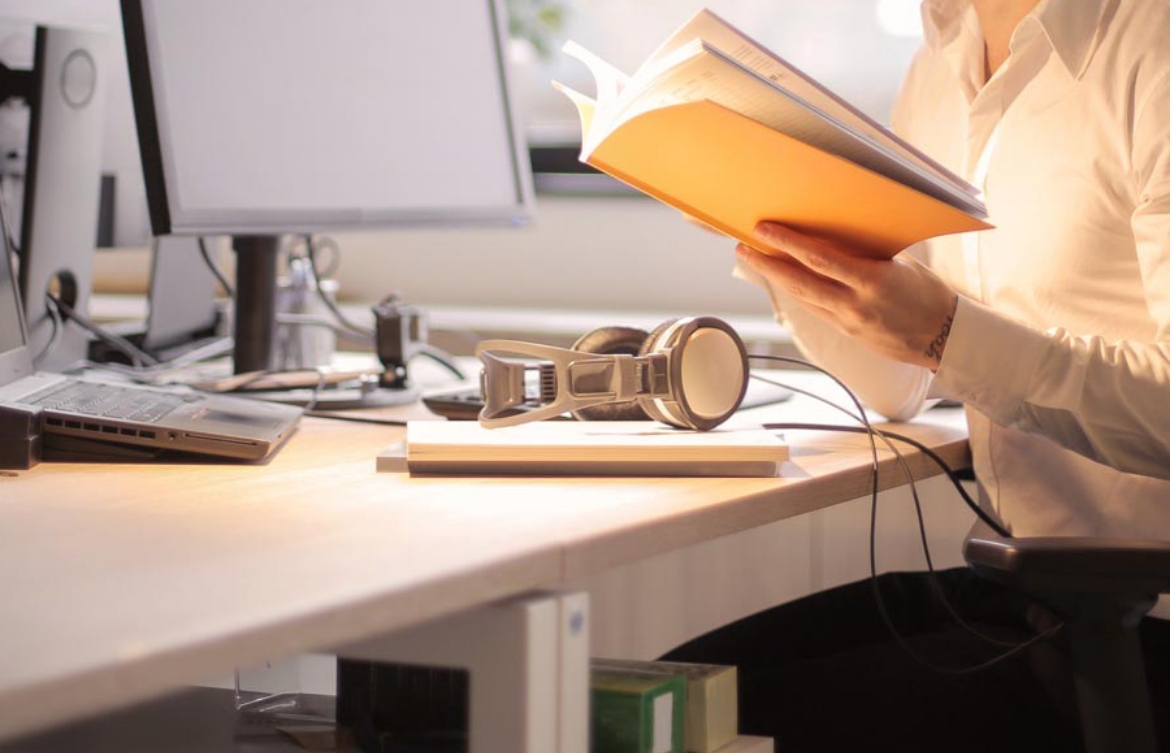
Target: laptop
[(79, 418)]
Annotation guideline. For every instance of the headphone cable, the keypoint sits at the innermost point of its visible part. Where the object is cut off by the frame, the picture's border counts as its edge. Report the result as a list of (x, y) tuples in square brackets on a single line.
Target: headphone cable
[(873, 434)]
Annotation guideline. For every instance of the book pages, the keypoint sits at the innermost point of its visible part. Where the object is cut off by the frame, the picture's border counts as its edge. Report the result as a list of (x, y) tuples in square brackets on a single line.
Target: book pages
[(697, 71), (709, 27)]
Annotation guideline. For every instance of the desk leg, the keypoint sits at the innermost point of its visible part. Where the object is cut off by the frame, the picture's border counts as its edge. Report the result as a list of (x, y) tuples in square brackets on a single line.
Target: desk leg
[(528, 662)]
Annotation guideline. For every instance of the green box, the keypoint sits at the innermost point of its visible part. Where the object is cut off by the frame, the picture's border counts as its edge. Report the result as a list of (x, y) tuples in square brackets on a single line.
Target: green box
[(712, 708), (637, 712)]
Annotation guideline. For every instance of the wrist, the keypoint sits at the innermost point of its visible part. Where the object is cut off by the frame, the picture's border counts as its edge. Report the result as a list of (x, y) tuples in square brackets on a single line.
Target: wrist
[(932, 354)]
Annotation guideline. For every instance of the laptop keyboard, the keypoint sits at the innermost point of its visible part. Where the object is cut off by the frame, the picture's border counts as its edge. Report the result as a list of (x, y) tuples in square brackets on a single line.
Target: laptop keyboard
[(109, 401)]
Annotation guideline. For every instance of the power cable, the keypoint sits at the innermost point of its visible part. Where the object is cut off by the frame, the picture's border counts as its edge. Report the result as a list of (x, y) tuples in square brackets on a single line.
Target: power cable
[(883, 611), (215, 270), (137, 356)]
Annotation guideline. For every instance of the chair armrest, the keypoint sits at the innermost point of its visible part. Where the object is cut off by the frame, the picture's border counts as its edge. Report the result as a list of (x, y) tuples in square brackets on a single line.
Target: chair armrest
[(1071, 564)]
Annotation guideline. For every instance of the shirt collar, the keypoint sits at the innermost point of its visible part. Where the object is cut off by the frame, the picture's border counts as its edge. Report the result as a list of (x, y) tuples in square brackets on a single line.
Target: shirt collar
[(941, 21), (1072, 29), (1071, 26)]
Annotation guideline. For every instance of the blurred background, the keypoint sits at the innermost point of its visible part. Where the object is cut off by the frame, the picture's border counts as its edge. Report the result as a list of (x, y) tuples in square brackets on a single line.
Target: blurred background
[(593, 246)]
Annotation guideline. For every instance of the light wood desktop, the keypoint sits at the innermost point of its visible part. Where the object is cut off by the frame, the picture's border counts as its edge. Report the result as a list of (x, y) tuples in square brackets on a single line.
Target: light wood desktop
[(119, 583)]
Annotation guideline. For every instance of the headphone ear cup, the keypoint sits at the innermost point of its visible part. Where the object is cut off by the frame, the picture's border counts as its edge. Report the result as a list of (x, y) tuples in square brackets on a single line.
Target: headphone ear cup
[(648, 405), (708, 372), (612, 341), (649, 340)]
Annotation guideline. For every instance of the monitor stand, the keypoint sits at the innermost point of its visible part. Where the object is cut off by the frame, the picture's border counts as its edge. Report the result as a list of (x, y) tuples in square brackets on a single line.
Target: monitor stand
[(255, 313), (257, 258)]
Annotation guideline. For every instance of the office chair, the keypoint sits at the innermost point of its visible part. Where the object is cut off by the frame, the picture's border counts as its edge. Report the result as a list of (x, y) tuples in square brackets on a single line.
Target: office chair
[(1102, 588)]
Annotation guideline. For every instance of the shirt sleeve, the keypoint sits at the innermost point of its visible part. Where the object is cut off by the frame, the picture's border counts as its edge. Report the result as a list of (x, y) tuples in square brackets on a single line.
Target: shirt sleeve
[(1107, 400)]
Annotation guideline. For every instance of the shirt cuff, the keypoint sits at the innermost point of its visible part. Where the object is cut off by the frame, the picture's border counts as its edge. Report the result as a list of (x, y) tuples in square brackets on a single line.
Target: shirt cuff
[(989, 361)]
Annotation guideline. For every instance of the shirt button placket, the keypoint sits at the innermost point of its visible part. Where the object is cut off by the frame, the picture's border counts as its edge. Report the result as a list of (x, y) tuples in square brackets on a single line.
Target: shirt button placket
[(982, 130)]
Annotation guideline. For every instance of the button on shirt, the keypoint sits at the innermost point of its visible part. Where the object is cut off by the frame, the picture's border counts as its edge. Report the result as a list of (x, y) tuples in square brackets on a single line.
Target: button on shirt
[(1060, 346)]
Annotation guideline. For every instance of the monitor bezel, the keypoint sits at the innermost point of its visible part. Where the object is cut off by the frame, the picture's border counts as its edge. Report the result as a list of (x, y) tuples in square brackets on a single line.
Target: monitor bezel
[(163, 215)]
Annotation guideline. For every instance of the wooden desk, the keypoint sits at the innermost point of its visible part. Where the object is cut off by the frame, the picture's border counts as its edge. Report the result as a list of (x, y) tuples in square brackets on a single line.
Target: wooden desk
[(121, 582)]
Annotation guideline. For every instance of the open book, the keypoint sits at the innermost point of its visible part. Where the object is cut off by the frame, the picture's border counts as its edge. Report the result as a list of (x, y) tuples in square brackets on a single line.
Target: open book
[(717, 126)]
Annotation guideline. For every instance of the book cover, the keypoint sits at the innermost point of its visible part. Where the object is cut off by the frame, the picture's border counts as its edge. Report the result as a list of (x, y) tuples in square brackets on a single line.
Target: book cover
[(637, 712), (608, 448), (712, 708), (727, 132)]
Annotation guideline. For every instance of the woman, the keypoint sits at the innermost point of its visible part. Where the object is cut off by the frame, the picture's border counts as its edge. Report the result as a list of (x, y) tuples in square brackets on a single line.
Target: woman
[(1053, 329)]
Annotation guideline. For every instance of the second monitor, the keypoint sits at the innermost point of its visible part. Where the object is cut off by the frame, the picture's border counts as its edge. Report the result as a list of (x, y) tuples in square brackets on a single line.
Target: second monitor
[(263, 117)]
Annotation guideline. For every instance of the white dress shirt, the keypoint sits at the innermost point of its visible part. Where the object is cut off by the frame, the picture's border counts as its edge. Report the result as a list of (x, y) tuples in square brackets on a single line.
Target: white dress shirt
[(1060, 347)]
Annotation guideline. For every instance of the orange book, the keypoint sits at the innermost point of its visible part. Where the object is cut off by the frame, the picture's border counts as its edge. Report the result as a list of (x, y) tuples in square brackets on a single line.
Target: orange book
[(718, 127)]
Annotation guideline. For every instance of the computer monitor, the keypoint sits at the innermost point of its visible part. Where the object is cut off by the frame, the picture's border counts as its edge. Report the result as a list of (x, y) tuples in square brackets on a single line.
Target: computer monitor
[(263, 117), (65, 95), (122, 216)]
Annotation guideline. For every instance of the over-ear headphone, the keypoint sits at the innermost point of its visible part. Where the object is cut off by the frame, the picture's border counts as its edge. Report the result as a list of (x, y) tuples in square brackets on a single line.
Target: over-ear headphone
[(689, 372)]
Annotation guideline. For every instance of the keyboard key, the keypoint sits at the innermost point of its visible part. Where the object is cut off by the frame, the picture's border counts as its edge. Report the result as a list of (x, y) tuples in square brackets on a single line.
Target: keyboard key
[(110, 401)]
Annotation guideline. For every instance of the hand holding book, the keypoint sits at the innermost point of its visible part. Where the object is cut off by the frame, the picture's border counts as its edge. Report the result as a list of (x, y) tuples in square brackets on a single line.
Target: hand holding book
[(898, 307)]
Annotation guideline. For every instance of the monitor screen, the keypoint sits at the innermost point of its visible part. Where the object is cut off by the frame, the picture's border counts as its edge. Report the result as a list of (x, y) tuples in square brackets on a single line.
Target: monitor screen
[(272, 116)]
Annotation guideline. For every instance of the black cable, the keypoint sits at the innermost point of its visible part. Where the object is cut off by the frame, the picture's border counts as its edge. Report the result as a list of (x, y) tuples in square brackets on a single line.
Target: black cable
[(352, 327), (149, 374), (354, 419), (442, 358), (878, 598), (932, 573), (55, 334), (215, 270), (884, 436), (325, 243), (311, 255), (934, 456), (137, 356), (951, 474)]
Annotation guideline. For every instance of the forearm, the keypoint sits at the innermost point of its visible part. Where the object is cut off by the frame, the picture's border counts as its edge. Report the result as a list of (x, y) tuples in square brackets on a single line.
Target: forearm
[(1107, 401)]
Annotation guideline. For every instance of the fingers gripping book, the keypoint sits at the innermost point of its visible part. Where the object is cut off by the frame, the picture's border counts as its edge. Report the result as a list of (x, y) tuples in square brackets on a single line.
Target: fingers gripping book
[(724, 130)]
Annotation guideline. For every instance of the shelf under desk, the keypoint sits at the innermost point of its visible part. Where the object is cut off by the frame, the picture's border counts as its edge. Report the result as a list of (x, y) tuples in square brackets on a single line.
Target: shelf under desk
[(122, 582)]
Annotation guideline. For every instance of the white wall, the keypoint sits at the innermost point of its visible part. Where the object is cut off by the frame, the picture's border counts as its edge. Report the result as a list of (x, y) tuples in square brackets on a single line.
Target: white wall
[(607, 253), (858, 48)]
